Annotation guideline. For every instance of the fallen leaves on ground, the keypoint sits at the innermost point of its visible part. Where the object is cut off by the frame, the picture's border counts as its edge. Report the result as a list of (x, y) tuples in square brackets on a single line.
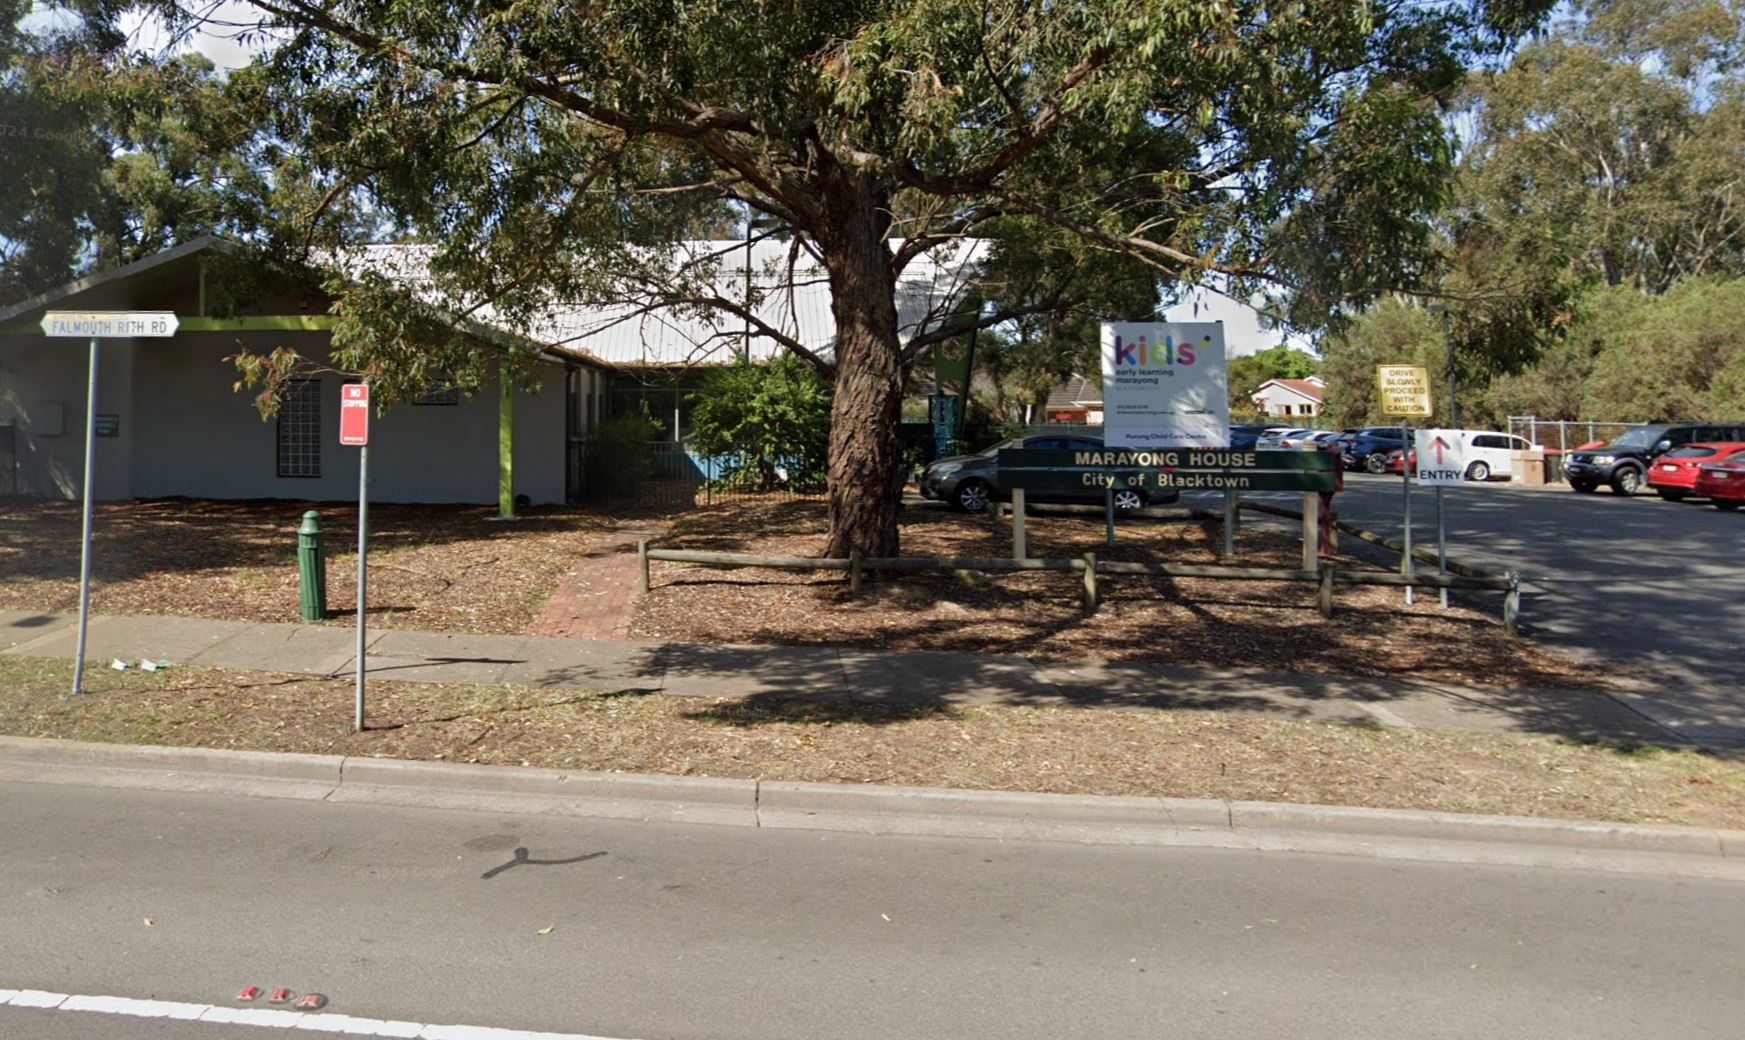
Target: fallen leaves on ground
[(1185, 754)]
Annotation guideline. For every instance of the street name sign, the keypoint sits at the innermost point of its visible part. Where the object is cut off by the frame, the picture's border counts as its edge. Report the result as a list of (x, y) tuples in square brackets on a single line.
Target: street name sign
[(1165, 385), (1441, 457), (109, 324), (1179, 469), (1404, 390), (354, 415)]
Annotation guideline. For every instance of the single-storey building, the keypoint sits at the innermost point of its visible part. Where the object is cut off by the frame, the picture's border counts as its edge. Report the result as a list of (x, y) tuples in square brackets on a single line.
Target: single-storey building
[(171, 422), (1290, 398), (1078, 401)]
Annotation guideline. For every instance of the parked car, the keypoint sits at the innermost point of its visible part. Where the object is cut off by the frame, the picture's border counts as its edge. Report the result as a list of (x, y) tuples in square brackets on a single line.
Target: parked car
[(967, 481), (1674, 474), (1722, 483), (1244, 435), (1289, 440), (1623, 464), (1367, 448)]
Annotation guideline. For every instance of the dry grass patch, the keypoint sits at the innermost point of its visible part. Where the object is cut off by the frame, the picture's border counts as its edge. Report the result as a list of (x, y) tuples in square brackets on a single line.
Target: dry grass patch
[(1076, 751), (440, 568), (1271, 625)]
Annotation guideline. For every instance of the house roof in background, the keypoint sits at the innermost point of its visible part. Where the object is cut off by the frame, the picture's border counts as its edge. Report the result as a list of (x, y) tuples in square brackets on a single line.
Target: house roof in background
[(1077, 392), (624, 333), (1308, 389)]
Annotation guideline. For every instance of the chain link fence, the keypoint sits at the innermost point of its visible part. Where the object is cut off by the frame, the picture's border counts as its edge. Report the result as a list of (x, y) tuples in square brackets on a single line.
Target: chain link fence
[(1561, 436)]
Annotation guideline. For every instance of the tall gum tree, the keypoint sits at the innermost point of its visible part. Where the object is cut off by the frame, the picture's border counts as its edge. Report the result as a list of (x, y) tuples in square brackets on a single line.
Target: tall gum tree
[(550, 148)]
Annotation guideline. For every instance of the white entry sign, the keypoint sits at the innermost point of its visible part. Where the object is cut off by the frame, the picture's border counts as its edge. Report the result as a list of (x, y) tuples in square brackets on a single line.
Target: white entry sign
[(1164, 385), (109, 324), (1441, 457)]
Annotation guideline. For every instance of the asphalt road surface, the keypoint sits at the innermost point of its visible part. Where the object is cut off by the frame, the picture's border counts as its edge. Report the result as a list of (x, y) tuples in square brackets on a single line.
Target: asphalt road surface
[(657, 931), (1659, 585)]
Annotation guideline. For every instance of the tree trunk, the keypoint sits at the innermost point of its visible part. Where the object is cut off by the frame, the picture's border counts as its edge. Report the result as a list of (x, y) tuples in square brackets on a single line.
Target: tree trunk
[(865, 459)]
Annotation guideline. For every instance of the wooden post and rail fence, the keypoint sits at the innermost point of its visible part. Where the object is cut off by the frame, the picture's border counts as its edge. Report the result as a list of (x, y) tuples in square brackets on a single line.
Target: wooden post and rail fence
[(1326, 578)]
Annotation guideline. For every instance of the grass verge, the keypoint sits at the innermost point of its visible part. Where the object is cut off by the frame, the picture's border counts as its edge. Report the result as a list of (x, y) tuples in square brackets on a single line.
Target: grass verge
[(1064, 750)]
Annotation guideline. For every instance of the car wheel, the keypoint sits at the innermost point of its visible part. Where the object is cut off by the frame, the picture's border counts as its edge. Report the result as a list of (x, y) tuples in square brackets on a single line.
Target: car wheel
[(1584, 487), (1479, 471), (973, 496), (1127, 501), (1672, 496), (1374, 463), (1725, 506), (1627, 481)]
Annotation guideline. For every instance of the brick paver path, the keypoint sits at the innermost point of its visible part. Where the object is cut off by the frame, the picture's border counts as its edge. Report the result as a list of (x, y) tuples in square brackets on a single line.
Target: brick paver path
[(596, 599)]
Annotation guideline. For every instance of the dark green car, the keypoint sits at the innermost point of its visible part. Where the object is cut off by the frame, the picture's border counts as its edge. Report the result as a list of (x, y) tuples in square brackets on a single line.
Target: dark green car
[(967, 481)]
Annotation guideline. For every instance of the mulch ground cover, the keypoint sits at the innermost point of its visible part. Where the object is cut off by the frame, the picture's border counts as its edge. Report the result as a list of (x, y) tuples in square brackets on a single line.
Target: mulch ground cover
[(1186, 754), (444, 568), (1270, 625)]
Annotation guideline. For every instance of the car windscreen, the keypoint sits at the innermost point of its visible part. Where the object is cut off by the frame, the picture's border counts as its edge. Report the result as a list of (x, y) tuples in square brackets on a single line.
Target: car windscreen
[(1690, 453), (1640, 437)]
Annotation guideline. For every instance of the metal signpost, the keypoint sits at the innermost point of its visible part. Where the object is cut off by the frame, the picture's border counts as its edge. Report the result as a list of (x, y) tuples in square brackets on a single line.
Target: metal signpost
[(354, 431), (1405, 392), (94, 326), (1441, 461)]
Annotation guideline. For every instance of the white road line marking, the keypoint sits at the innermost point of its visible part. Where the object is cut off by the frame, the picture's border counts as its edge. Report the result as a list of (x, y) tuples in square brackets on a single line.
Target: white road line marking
[(313, 1022), (1384, 716)]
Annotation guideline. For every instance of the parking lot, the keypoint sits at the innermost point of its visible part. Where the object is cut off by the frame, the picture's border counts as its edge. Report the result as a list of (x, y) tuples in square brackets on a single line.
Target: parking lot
[(1653, 585)]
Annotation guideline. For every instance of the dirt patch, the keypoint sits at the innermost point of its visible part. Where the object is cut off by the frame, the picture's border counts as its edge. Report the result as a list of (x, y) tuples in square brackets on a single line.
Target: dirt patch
[(438, 568), (1064, 750), (1270, 625)]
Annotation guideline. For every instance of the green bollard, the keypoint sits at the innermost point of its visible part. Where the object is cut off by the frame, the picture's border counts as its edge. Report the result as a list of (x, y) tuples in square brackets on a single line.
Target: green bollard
[(312, 568)]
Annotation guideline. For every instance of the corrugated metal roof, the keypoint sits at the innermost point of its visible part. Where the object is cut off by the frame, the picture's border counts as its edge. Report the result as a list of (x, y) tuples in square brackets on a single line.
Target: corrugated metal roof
[(623, 331)]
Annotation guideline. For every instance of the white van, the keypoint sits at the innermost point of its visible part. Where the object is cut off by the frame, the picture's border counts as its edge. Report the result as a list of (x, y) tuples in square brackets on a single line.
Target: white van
[(1489, 453)]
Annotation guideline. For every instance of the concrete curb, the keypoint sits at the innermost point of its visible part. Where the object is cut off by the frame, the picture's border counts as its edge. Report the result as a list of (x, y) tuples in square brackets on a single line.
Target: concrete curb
[(870, 809)]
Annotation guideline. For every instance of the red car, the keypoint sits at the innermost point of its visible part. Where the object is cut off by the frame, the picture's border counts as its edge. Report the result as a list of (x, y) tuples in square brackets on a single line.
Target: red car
[(1674, 474), (1722, 483), (1396, 461)]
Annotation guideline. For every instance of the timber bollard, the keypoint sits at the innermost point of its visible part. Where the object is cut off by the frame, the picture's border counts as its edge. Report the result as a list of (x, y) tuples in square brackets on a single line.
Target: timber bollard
[(1326, 590), (642, 565), (1512, 605), (1090, 581), (311, 568), (854, 558)]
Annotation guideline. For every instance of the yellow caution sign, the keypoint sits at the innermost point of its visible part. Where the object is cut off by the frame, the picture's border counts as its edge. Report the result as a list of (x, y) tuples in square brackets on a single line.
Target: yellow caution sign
[(1405, 390)]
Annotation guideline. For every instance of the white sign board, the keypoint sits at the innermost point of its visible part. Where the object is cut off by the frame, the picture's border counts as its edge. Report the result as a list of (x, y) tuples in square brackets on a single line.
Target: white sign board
[(1441, 457), (1164, 385), (109, 324)]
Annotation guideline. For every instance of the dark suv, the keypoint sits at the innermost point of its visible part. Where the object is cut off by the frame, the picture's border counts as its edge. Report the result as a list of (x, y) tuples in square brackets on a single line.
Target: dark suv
[(1623, 464), (1367, 449), (967, 481)]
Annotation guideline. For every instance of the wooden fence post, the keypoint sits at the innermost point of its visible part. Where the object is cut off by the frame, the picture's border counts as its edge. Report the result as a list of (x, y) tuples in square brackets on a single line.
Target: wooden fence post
[(854, 571), (1512, 605), (642, 565), (1326, 596), (1091, 581)]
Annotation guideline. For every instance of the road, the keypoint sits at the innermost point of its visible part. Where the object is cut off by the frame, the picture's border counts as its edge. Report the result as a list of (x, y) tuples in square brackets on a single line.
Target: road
[(658, 931), (1654, 584)]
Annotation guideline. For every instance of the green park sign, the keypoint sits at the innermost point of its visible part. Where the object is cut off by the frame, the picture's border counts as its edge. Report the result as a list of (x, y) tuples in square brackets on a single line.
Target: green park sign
[(1183, 469)]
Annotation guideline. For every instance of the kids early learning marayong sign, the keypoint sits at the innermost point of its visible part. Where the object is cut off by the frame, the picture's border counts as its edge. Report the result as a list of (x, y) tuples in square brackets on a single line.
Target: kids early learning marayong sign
[(1164, 385)]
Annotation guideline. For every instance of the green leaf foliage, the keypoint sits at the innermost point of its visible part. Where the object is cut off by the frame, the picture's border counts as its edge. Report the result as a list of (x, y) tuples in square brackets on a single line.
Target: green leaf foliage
[(772, 422)]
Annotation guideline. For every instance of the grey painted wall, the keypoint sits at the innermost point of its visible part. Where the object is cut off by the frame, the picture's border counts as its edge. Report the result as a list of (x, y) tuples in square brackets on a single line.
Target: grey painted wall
[(184, 431)]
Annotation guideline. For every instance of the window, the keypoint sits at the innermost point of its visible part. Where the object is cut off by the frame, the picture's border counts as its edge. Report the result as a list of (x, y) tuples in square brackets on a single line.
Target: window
[(1489, 440), (300, 429)]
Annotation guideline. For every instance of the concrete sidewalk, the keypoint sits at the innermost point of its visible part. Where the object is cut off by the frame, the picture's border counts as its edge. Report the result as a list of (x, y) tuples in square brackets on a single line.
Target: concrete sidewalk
[(849, 673)]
